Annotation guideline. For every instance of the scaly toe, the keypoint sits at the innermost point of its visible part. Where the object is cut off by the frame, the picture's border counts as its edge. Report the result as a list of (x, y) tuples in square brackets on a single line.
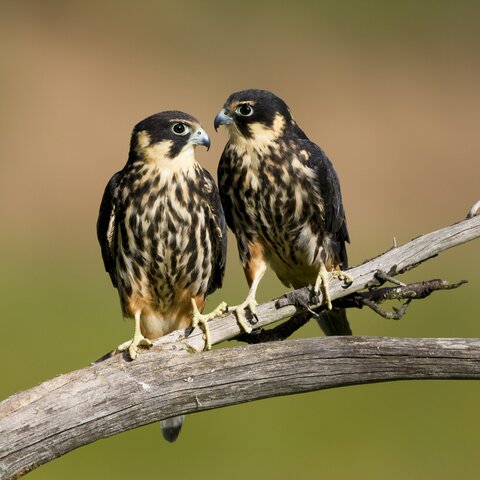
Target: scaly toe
[(347, 279), (328, 301), (123, 347), (138, 342), (252, 306), (145, 342), (132, 346), (195, 320), (202, 320), (221, 309), (133, 351), (242, 320)]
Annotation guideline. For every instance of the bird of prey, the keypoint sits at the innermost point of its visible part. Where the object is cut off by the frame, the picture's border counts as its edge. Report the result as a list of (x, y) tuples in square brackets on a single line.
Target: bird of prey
[(282, 200), (162, 230)]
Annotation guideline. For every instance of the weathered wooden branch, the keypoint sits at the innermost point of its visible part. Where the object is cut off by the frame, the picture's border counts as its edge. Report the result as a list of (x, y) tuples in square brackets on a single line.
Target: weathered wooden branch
[(412, 291), (394, 262), (371, 298), (113, 396), (116, 395)]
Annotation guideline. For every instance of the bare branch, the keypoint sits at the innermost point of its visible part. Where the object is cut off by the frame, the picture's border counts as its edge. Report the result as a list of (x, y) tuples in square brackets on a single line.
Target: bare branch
[(393, 262), (397, 313), (413, 291), (474, 210), (115, 395), (371, 299), (280, 332), (107, 398)]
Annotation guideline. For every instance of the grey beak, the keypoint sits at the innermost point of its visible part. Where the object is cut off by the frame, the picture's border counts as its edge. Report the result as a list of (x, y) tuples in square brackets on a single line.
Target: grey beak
[(200, 137), (223, 118)]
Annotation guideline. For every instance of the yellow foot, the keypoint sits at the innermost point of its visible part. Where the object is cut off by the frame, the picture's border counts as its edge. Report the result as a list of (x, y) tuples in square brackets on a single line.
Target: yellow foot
[(133, 345), (323, 280), (251, 304), (202, 319)]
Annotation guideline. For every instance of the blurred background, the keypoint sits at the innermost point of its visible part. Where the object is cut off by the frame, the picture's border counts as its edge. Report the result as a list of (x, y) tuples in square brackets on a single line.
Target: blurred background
[(389, 89)]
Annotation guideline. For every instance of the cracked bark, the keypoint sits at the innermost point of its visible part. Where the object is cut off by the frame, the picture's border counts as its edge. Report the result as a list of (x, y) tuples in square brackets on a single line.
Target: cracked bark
[(115, 395)]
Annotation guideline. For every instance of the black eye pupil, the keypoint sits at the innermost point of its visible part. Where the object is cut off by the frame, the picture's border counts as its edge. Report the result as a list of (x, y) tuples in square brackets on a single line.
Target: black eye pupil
[(179, 128), (245, 110)]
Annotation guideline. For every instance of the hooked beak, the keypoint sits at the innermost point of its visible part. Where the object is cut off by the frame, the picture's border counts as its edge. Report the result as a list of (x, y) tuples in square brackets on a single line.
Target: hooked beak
[(223, 118), (200, 137)]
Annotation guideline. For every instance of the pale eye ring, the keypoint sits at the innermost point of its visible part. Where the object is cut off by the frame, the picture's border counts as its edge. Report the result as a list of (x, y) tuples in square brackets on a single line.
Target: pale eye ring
[(244, 110), (180, 129)]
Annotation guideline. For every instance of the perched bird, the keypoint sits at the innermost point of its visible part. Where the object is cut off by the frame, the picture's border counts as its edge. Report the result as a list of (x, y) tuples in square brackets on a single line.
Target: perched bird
[(162, 230), (282, 200)]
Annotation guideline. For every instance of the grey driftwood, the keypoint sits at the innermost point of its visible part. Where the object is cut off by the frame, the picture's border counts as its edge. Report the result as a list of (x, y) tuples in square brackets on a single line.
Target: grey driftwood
[(175, 377)]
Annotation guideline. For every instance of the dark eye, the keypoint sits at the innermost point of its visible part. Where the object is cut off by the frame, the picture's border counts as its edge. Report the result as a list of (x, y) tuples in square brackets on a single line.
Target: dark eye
[(180, 129), (244, 110)]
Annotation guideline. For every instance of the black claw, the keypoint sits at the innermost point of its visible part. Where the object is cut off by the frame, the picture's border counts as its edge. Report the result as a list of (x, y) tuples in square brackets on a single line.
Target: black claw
[(250, 317)]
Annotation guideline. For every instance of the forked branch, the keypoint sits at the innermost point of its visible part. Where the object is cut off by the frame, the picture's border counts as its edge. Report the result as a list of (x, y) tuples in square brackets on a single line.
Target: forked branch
[(115, 395), (371, 298)]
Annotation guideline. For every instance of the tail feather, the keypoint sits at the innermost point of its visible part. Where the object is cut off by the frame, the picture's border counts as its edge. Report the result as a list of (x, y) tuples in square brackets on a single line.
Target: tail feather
[(171, 427), (334, 322)]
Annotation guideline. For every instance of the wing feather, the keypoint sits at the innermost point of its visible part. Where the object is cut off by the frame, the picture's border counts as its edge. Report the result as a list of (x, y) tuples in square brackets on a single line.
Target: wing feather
[(224, 177), (329, 185), (218, 232), (107, 227)]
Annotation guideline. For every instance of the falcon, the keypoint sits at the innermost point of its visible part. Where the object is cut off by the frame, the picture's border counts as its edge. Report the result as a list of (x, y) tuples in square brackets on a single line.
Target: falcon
[(162, 230), (282, 200)]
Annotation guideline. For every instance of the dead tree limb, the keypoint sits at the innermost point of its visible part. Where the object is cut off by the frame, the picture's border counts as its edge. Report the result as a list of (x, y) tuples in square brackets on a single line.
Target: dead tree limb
[(115, 395), (371, 298), (393, 262)]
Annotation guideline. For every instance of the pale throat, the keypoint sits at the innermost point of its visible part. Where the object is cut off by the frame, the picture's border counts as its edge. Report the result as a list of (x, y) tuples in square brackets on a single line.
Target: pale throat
[(261, 139), (158, 156)]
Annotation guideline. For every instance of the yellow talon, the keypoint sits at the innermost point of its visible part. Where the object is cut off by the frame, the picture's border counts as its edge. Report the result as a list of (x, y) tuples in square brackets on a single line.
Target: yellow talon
[(323, 279), (202, 319), (251, 304), (137, 341)]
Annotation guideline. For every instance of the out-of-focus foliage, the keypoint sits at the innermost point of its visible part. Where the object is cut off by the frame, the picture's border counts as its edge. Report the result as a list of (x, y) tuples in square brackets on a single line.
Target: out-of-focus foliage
[(388, 89)]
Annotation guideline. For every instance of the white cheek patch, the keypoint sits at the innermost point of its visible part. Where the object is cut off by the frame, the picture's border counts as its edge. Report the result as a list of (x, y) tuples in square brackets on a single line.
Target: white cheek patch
[(263, 137), (157, 155), (261, 140), (143, 141), (278, 125), (157, 151), (185, 159)]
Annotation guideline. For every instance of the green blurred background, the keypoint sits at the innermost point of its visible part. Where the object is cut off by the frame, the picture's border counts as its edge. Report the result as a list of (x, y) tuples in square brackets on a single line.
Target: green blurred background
[(389, 89)]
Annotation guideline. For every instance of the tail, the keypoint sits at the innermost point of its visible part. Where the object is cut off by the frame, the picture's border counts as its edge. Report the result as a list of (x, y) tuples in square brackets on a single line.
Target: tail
[(334, 322), (171, 427)]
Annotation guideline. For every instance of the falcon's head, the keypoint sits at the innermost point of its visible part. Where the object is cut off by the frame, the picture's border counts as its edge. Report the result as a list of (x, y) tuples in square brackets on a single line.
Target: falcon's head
[(167, 138), (255, 116)]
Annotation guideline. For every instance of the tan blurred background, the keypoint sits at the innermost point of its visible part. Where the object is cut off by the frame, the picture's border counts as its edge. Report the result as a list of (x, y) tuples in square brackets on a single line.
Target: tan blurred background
[(389, 89)]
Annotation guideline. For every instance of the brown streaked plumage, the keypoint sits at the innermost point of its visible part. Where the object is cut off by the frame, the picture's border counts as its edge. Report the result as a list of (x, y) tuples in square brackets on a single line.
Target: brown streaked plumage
[(161, 229), (162, 233), (282, 200)]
